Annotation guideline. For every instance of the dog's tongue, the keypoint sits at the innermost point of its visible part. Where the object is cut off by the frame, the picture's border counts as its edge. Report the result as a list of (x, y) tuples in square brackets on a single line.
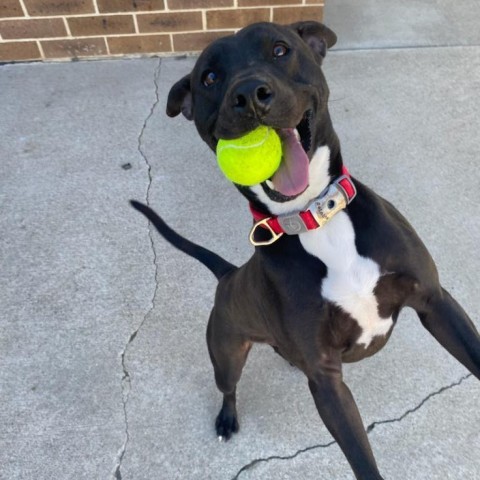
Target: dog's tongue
[(291, 178)]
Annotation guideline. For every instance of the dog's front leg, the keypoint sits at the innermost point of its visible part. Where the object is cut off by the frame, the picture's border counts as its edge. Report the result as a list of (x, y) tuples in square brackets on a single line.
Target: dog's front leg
[(339, 412), (445, 319)]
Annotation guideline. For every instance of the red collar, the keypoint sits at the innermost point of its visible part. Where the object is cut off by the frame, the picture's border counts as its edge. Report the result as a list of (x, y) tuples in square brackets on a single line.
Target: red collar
[(333, 199)]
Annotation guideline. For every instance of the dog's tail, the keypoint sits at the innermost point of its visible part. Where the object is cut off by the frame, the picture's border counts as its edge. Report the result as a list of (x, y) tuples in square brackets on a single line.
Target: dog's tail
[(216, 264)]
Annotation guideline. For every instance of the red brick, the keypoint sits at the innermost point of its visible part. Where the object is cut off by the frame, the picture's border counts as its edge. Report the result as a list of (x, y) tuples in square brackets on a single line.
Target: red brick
[(170, 22), (58, 7), (10, 8), (195, 42), (269, 3), (38, 28), (238, 18), (101, 25), (196, 4), (84, 47), (139, 44), (115, 6), (16, 51), (296, 14)]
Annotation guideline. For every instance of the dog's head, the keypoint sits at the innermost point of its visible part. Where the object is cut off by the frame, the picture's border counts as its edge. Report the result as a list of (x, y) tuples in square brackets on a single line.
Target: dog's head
[(266, 74)]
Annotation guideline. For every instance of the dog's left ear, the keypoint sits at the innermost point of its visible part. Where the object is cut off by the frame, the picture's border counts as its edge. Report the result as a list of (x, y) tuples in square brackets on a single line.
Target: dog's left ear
[(180, 99), (317, 36)]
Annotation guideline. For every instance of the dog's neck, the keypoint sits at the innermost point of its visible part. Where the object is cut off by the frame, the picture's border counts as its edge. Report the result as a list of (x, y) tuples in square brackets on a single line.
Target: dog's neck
[(329, 138)]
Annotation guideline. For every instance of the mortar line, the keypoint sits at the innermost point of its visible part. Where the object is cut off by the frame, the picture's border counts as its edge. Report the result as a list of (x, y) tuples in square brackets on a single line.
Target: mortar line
[(126, 380), (369, 429)]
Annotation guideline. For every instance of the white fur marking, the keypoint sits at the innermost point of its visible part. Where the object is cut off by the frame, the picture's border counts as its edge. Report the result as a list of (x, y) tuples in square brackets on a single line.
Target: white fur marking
[(351, 278)]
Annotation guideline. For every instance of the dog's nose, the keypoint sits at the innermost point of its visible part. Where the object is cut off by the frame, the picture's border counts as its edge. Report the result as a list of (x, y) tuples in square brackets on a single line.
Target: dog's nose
[(252, 96)]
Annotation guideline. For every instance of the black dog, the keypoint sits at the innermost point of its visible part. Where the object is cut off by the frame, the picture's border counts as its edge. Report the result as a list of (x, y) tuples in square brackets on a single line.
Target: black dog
[(331, 271)]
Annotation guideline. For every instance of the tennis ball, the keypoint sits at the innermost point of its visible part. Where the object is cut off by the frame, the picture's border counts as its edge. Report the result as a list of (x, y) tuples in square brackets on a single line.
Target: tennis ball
[(250, 159)]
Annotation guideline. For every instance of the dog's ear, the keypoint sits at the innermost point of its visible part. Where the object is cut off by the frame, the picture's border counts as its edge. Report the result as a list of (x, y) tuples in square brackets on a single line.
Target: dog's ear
[(316, 35), (180, 99)]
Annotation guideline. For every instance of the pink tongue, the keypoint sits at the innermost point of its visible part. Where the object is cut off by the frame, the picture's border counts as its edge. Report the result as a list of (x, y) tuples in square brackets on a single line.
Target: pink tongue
[(291, 178)]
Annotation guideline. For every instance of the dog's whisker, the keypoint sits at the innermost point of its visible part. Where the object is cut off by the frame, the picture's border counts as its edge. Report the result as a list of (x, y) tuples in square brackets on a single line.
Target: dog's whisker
[(332, 100)]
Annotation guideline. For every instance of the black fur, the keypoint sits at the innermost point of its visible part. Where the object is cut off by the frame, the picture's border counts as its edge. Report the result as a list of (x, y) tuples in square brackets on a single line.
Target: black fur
[(236, 85)]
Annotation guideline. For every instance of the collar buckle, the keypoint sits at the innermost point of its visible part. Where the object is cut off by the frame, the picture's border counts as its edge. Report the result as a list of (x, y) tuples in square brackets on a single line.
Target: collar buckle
[(335, 198)]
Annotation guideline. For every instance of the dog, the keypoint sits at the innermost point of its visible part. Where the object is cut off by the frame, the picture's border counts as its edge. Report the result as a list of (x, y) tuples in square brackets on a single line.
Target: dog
[(334, 263)]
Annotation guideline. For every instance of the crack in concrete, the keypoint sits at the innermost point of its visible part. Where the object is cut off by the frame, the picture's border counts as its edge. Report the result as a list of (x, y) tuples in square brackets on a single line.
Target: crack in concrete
[(420, 405), (369, 429), (126, 380), (281, 457), (156, 77)]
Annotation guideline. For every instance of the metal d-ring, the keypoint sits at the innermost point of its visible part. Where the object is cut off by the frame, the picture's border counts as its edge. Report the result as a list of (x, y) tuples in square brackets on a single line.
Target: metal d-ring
[(264, 224)]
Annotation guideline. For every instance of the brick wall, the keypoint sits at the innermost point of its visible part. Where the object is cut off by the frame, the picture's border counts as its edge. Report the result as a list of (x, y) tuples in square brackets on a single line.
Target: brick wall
[(66, 29)]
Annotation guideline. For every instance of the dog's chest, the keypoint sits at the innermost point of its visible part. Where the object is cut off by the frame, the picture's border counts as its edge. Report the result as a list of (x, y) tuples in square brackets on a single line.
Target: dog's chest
[(351, 278)]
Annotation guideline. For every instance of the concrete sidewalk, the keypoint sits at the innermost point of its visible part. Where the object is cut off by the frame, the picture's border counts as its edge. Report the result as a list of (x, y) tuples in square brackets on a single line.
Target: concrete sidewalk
[(104, 367)]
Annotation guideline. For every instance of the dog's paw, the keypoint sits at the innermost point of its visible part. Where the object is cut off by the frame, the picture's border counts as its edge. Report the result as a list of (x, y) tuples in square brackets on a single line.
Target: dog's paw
[(226, 424)]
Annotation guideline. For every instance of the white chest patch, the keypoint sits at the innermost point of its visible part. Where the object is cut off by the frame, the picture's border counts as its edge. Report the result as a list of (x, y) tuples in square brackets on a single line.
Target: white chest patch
[(351, 278)]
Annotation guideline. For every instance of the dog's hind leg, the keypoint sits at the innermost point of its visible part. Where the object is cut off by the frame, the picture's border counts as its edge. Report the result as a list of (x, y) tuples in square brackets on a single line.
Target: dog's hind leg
[(322, 364), (339, 412), (446, 320), (228, 353)]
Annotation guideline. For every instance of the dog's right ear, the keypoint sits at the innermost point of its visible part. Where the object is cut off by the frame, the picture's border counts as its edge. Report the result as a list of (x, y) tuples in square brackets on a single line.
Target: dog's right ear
[(317, 36), (180, 99)]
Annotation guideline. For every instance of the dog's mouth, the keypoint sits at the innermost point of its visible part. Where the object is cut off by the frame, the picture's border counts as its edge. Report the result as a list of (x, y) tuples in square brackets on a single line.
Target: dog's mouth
[(292, 177)]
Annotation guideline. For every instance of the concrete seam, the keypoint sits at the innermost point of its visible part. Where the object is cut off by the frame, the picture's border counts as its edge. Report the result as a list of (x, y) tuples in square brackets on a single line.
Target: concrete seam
[(126, 379), (369, 429), (400, 47)]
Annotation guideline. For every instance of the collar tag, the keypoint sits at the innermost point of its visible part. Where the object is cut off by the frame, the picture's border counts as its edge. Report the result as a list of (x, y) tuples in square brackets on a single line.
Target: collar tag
[(292, 224)]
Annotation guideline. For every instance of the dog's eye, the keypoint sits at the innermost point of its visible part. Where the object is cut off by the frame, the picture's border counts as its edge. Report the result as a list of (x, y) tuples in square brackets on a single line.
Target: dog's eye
[(280, 50), (209, 78)]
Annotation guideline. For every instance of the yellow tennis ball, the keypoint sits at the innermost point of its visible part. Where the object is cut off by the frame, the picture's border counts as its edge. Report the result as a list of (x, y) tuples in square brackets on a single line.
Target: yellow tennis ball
[(250, 159)]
